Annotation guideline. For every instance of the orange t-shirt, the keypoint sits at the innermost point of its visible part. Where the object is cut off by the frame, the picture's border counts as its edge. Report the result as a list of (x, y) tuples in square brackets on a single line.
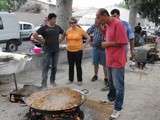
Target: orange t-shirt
[(74, 38)]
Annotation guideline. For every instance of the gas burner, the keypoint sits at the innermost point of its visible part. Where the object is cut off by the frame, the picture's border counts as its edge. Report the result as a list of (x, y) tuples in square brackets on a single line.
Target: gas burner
[(69, 115)]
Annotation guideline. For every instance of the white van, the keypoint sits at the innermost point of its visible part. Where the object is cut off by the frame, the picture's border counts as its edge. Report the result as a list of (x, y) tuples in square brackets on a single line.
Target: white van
[(26, 29), (9, 31)]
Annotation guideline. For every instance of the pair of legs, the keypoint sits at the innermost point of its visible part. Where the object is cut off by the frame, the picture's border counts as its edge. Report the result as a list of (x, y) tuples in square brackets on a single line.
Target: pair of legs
[(96, 69), (49, 58), (75, 58), (99, 58), (116, 87)]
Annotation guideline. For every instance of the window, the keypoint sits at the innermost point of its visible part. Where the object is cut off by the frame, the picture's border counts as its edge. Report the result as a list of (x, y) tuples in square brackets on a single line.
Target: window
[(1, 24), (27, 27), (20, 26)]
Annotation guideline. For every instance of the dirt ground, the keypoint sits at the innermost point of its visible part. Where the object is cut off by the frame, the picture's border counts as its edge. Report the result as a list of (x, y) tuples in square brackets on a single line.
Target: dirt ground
[(142, 96)]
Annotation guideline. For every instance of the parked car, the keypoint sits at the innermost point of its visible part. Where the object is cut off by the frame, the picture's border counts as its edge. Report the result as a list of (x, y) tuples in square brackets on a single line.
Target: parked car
[(9, 31), (26, 30)]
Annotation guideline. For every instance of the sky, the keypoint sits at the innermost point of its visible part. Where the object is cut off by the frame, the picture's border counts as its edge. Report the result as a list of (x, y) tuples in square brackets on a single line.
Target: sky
[(92, 3)]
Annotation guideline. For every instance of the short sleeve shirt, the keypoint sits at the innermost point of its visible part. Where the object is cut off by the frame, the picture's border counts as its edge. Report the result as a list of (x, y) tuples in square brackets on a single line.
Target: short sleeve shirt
[(74, 38), (98, 36), (115, 32), (129, 30), (51, 36)]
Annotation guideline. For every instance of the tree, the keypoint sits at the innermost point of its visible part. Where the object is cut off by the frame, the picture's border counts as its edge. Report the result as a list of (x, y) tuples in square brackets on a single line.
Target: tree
[(150, 9), (146, 8), (64, 11), (3, 5), (133, 6), (12, 5)]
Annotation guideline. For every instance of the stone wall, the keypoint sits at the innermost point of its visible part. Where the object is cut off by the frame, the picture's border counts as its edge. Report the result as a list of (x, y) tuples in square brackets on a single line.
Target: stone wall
[(36, 6)]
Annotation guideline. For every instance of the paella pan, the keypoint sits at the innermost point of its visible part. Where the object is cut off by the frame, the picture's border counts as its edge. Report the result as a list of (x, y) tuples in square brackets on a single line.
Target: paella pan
[(56, 100)]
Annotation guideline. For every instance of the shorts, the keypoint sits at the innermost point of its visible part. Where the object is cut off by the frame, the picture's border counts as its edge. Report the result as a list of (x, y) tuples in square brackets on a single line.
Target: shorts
[(99, 56)]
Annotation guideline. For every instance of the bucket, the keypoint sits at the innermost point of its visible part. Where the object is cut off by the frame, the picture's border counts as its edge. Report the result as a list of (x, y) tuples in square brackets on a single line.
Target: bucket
[(37, 50)]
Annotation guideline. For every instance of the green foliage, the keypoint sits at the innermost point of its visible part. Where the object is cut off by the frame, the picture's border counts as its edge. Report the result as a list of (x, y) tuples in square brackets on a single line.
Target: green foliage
[(3, 5), (150, 9), (147, 9), (123, 5), (11, 4)]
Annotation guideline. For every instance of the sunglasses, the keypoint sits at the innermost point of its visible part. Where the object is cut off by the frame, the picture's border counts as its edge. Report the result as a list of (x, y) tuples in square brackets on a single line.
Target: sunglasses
[(72, 22)]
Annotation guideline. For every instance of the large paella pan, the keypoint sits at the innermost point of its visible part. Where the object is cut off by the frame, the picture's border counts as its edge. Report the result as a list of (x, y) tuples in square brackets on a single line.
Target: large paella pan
[(56, 100)]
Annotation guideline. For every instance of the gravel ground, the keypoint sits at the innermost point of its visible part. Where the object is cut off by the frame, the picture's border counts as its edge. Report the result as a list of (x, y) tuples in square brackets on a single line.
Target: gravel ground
[(141, 97)]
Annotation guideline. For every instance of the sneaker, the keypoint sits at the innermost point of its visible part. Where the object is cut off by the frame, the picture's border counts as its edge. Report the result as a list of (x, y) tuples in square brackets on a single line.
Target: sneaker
[(43, 86), (115, 114), (94, 78), (69, 82), (79, 83), (106, 82), (53, 85)]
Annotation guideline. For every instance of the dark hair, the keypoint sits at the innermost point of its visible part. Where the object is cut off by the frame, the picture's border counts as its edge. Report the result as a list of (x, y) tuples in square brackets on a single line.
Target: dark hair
[(103, 11), (115, 11), (51, 15), (73, 19)]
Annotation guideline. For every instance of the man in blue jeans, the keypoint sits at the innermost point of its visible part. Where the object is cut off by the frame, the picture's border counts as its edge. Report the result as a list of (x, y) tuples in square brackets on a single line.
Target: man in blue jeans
[(50, 36), (115, 44)]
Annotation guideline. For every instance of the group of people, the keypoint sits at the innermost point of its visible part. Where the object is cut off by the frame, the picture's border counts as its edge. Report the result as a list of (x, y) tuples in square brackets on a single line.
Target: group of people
[(109, 37)]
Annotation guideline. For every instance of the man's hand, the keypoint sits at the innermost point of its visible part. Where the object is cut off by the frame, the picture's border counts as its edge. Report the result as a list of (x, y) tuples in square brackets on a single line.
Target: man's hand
[(61, 38), (132, 56), (91, 44), (37, 38), (41, 39), (104, 44)]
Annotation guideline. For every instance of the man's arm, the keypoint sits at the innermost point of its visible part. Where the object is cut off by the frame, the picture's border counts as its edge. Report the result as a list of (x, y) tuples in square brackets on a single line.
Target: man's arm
[(112, 44), (132, 48), (37, 38), (88, 38), (61, 34), (61, 38), (38, 35), (131, 39)]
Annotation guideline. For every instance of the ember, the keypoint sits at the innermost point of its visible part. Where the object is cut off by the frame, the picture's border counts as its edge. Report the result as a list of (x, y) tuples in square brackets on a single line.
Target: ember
[(69, 115)]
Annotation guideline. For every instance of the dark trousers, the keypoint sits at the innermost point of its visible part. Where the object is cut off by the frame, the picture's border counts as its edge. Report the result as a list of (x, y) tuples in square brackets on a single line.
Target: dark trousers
[(49, 58), (75, 58)]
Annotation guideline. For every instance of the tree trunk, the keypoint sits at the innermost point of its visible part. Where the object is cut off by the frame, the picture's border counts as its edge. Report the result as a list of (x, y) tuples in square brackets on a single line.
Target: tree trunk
[(133, 5), (64, 12), (133, 16)]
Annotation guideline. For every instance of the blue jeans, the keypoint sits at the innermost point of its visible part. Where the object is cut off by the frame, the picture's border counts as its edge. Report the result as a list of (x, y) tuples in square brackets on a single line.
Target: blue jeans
[(49, 58), (116, 86)]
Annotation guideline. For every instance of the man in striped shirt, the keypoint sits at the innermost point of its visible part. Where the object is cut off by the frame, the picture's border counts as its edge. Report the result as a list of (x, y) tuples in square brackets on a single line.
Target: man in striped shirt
[(98, 53)]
